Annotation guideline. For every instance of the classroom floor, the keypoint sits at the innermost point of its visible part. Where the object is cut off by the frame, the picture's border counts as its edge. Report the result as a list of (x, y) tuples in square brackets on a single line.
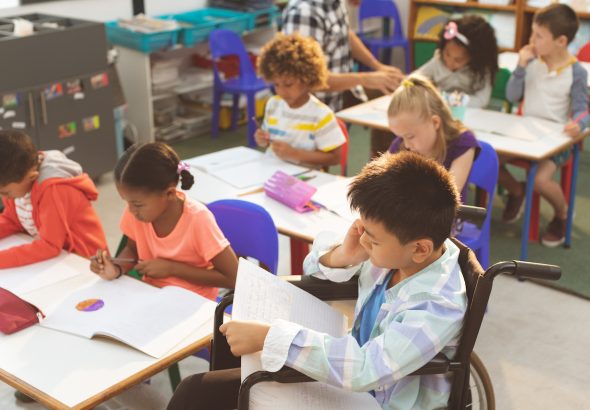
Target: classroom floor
[(531, 340)]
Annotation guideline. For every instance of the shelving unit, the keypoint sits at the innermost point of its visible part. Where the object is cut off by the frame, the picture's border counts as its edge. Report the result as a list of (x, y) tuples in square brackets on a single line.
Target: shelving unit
[(135, 70), (423, 47)]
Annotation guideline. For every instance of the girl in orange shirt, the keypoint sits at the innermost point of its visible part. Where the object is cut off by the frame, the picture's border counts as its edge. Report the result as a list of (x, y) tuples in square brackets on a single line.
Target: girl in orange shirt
[(175, 239)]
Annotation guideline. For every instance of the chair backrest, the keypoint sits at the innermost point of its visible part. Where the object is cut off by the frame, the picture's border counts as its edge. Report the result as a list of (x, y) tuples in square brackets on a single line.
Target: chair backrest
[(380, 8), (484, 175), (584, 53), (249, 229), (500, 83), (228, 43), (344, 149), (478, 286)]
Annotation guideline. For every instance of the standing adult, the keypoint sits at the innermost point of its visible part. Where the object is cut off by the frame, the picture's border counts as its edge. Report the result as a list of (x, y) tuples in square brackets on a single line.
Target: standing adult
[(327, 22)]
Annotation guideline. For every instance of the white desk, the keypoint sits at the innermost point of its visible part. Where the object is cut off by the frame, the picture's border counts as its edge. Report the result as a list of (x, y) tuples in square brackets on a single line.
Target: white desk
[(304, 226), (374, 114), (64, 371), (509, 61)]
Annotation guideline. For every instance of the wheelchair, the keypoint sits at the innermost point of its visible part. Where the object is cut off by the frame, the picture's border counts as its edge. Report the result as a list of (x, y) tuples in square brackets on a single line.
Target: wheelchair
[(471, 386)]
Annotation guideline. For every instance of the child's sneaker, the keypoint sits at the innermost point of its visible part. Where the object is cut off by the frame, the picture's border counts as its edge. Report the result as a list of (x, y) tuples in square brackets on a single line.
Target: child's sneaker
[(555, 233), (514, 207)]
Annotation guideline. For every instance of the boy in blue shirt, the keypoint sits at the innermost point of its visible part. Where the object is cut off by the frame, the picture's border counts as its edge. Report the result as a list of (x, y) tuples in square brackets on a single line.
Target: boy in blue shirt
[(412, 297)]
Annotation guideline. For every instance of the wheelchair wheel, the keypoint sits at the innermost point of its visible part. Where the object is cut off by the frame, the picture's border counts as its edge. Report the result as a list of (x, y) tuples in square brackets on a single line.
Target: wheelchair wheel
[(481, 391)]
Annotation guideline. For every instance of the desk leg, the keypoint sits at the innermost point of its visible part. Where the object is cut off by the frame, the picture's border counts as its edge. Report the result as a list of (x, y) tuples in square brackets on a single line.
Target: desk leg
[(572, 201), (530, 185), (299, 250)]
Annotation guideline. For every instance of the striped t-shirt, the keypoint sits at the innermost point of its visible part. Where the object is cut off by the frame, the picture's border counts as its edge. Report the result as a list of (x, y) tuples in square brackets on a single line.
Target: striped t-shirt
[(311, 127)]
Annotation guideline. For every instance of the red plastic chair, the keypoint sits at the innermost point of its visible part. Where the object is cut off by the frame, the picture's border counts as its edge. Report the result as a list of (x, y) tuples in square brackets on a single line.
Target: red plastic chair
[(584, 53), (344, 149)]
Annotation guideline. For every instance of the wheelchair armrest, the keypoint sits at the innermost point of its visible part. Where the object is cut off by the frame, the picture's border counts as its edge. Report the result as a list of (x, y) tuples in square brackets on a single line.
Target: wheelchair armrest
[(284, 375), (325, 289), (438, 365)]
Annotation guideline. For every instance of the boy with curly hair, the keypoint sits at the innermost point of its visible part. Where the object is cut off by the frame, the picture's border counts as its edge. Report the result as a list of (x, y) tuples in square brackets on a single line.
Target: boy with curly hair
[(297, 126)]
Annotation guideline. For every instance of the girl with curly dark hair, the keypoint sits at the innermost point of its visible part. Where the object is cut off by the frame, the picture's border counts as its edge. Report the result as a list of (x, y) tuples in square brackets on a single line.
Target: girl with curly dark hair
[(466, 59)]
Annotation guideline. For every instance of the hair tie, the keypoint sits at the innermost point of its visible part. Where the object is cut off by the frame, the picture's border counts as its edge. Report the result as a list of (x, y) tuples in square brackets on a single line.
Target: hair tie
[(407, 83), (452, 31), (182, 166)]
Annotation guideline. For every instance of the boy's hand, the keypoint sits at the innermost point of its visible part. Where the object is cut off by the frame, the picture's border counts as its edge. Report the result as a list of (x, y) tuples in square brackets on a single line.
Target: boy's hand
[(262, 137), (245, 337), (352, 244), (101, 265), (284, 151), (572, 129), (526, 54), (350, 252), (155, 268)]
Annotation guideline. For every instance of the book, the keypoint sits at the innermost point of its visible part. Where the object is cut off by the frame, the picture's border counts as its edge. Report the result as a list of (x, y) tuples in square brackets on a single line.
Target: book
[(243, 167), (152, 320), (334, 197), (260, 295), (77, 301)]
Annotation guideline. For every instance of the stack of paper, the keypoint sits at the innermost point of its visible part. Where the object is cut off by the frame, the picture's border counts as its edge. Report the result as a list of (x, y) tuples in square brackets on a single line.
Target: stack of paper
[(334, 197), (243, 167), (262, 296)]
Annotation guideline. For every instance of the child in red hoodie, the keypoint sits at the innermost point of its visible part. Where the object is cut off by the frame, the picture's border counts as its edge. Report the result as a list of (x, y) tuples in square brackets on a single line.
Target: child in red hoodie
[(46, 195)]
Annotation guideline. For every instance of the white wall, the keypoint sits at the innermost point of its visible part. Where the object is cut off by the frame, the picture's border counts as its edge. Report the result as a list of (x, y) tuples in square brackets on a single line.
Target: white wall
[(104, 10)]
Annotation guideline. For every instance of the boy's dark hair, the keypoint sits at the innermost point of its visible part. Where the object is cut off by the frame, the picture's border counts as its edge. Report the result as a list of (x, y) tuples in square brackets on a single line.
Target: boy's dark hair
[(482, 47), (559, 19), (412, 196), (17, 156), (294, 56), (152, 167)]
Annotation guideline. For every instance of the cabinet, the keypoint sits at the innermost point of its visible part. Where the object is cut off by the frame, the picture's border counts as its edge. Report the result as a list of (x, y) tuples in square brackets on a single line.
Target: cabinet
[(54, 86)]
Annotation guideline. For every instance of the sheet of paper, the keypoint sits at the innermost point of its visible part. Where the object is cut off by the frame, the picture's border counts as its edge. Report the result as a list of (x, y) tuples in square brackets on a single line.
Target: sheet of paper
[(154, 322), (512, 126), (255, 173), (24, 279), (262, 296), (333, 196), (226, 158)]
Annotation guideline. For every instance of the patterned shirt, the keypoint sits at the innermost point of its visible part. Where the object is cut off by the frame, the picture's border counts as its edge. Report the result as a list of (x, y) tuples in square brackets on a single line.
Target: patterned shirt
[(24, 212), (326, 21), (311, 127), (422, 315)]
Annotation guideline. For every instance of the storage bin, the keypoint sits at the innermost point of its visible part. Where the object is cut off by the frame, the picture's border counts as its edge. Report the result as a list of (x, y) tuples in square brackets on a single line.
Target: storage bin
[(145, 42), (219, 18)]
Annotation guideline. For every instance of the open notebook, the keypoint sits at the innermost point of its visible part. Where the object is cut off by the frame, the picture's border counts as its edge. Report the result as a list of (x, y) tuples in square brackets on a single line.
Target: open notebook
[(262, 296), (243, 167), (77, 301), (152, 320)]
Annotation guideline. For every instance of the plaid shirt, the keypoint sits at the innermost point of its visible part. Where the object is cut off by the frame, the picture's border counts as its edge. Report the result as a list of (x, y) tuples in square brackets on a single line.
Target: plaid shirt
[(421, 316), (326, 21)]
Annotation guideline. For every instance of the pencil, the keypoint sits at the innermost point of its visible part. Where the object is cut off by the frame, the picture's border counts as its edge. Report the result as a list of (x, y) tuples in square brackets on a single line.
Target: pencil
[(581, 117)]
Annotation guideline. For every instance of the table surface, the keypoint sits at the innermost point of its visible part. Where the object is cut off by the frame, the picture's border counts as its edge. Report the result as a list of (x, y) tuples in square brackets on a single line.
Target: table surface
[(65, 371), (304, 226), (374, 114)]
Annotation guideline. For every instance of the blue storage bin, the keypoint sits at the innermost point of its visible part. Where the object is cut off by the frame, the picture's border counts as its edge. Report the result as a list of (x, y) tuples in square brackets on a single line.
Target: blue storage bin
[(220, 18), (146, 42), (263, 18), (191, 32)]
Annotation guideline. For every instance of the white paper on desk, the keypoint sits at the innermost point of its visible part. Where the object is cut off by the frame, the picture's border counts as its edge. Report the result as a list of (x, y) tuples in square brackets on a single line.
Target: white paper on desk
[(226, 158), (256, 173), (381, 104), (262, 296), (511, 126), (333, 196), (150, 319), (23, 279)]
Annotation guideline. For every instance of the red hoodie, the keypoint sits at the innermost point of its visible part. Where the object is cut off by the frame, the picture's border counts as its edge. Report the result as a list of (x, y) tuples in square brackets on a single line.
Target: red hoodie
[(64, 219)]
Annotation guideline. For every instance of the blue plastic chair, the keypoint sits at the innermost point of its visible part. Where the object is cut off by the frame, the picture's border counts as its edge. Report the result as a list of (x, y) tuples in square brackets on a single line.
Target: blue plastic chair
[(484, 175), (249, 229), (384, 9), (225, 43)]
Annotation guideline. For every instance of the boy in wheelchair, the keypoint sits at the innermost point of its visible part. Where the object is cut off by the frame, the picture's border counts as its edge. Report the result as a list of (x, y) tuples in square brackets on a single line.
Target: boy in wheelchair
[(411, 305)]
